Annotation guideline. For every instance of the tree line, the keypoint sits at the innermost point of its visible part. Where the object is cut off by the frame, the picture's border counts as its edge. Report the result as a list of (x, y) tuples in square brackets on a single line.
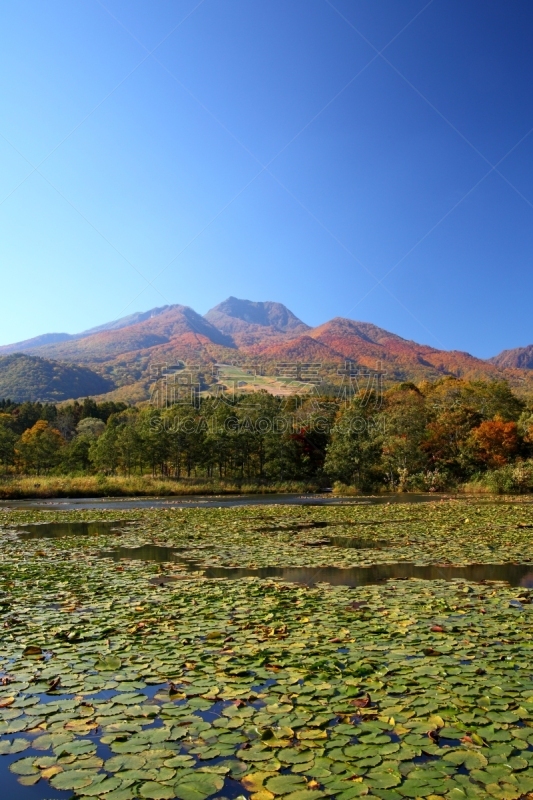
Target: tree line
[(429, 436)]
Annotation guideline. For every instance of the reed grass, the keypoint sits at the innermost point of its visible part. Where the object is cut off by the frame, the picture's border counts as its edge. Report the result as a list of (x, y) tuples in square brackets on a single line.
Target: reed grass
[(17, 488)]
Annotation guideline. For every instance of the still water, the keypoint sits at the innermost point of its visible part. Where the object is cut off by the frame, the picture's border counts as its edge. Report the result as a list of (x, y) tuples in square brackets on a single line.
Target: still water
[(214, 501), (514, 574)]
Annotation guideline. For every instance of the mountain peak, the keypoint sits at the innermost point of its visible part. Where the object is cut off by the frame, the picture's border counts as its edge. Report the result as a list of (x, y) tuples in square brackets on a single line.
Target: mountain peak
[(517, 358), (236, 316)]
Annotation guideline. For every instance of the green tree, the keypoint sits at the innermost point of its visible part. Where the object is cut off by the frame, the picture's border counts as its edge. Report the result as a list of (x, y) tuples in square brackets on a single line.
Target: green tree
[(354, 449), (103, 452), (402, 434), (7, 440)]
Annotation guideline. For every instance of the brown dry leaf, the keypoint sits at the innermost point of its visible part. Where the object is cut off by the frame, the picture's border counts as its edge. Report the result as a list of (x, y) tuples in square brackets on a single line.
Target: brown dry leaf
[(51, 771), (80, 726), (361, 702), (6, 701), (254, 781)]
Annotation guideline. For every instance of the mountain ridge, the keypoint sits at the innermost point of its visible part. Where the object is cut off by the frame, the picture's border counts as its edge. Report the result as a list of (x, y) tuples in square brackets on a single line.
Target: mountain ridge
[(516, 358), (123, 352)]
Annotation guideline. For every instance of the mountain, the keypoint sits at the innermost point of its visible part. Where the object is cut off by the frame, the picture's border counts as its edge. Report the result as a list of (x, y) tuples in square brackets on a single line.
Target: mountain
[(300, 348), (250, 322), (37, 341), (163, 323), (518, 358), (402, 359), (171, 324), (24, 377), (120, 357), (124, 322)]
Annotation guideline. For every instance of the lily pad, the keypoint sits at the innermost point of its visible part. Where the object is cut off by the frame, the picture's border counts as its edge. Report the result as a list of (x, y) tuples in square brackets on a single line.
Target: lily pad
[(156, 791), (72, 779), (198, 786)]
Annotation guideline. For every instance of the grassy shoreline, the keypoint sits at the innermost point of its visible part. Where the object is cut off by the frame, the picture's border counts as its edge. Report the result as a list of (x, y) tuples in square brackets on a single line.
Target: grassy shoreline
[(80, 486), (19, 488)]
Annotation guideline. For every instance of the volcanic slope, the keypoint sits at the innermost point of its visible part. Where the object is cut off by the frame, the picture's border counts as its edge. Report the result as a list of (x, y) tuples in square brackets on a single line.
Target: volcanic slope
[(250, 323), (373, 347), (517, 358), (179, 326)]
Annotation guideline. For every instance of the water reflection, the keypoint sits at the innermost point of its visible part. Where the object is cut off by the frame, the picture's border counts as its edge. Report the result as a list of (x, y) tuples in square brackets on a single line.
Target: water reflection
[(352, 543), (514, 574), (146, 552), (56, 530)]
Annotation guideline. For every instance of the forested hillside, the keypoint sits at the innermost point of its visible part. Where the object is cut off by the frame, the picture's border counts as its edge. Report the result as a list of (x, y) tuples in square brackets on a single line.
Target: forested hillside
[(25, 377)]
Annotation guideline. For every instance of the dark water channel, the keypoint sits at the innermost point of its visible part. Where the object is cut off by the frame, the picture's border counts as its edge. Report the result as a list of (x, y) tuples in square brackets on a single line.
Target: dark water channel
[(514, 574), (216, 501), (56, 530)]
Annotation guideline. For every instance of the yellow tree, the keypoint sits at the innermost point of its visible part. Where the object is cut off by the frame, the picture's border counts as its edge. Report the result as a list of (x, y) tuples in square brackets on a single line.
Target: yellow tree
[(39, 448)]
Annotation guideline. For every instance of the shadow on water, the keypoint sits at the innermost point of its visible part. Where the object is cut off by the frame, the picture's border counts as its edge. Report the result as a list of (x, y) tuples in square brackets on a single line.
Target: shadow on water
[(514, 574), (146, 552), (56, 530), (347, 543)]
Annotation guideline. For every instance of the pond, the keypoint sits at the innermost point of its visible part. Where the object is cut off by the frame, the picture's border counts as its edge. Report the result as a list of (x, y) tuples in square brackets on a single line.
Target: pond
[(267, 653)]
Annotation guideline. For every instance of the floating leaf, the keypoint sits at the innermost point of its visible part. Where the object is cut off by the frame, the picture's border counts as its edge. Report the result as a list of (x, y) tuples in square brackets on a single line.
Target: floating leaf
[(32, 650), (24, 766), (72, 779), (198, 786), (156, 791), (284, 784), (127, 761), (29, 780), (15, 746), (109, 663)]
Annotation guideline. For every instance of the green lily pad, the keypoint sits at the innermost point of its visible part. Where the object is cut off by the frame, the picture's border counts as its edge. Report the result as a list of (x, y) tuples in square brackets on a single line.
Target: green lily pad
[(15, 746), (126, 761), (255, 754), (284, 784), (414, 789), (72, 779), (198, 786), (292, 756), (156, 791), (98, 788), (108, 663)]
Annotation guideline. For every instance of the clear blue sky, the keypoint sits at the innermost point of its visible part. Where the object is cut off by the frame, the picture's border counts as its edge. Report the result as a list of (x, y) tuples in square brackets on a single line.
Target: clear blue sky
[(186, 151)]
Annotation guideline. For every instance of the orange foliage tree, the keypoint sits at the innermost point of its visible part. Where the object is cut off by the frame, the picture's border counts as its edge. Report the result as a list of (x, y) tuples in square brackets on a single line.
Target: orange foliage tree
[(495, 442)]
